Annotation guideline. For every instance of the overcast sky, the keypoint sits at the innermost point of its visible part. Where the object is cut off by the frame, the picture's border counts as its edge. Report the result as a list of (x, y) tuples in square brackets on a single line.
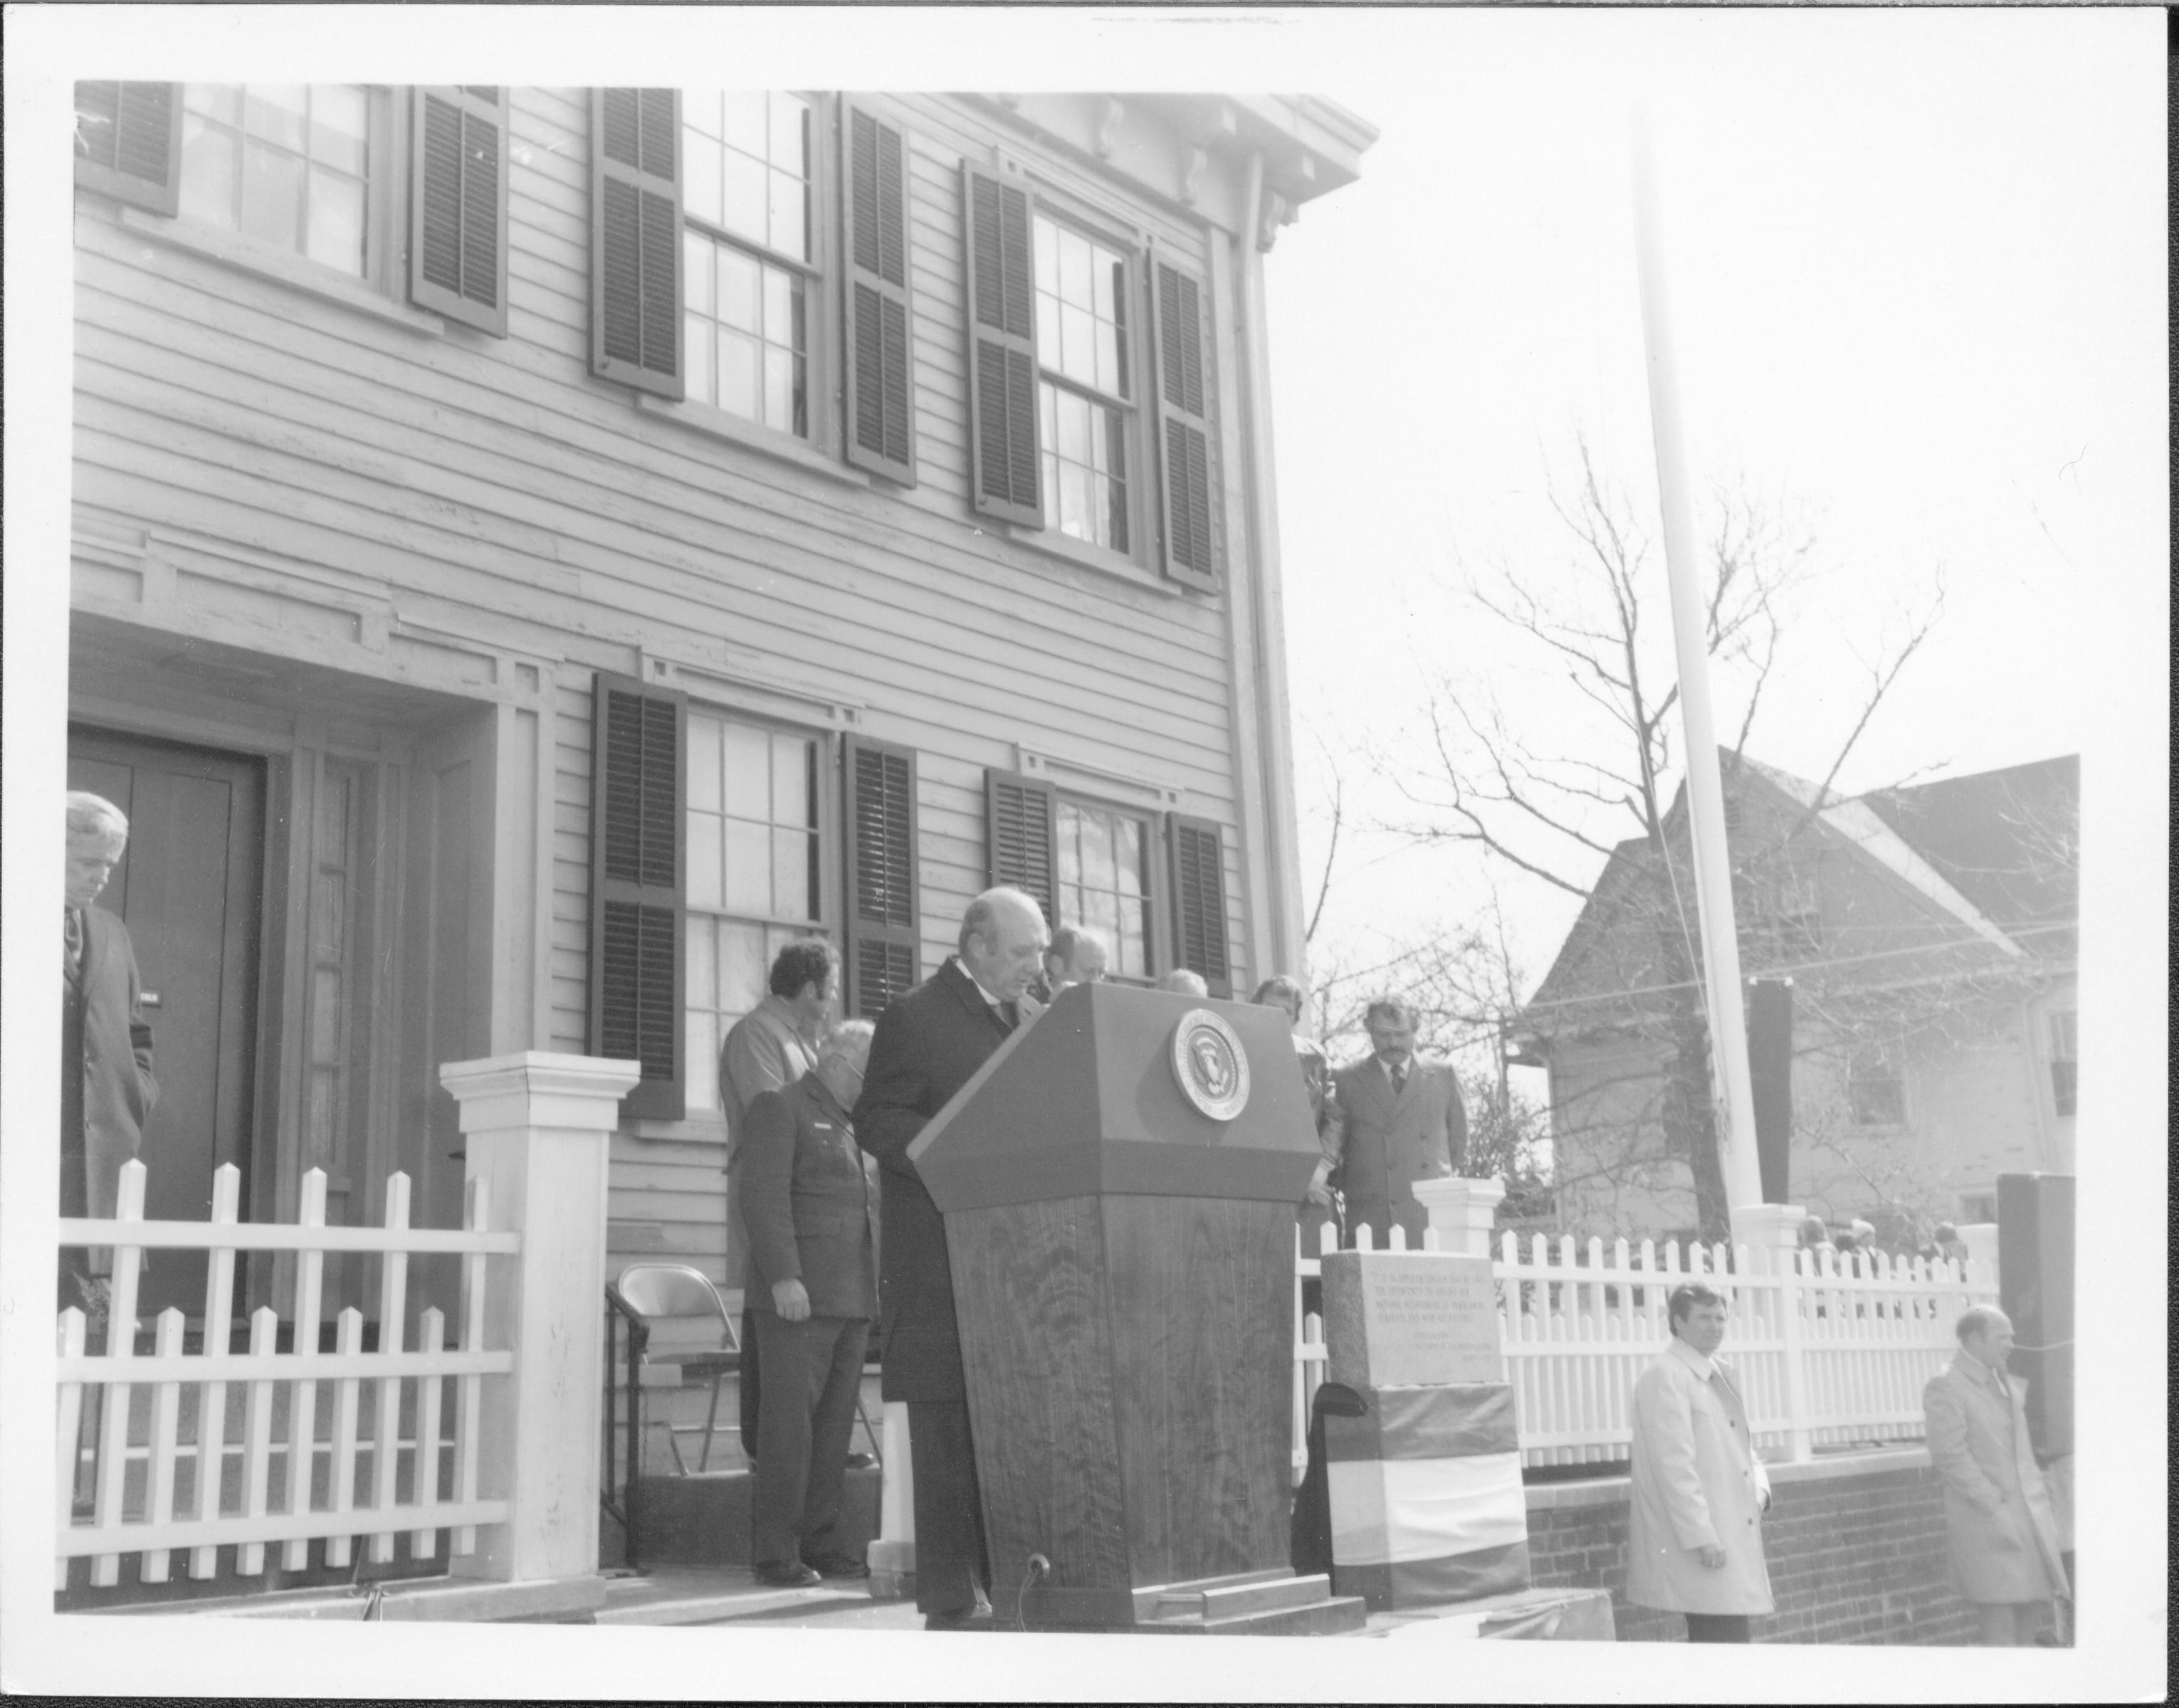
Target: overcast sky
[(1916, 264)]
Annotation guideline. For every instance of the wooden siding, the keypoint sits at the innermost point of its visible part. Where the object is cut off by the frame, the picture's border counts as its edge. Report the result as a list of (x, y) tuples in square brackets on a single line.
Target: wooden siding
[(491, 488)]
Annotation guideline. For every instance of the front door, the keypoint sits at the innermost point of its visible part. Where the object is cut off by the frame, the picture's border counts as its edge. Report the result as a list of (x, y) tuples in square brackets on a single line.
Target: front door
[(188, 888)]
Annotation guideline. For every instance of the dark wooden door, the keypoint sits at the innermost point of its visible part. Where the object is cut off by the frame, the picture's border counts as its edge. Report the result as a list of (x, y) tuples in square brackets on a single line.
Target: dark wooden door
[(188, 888)]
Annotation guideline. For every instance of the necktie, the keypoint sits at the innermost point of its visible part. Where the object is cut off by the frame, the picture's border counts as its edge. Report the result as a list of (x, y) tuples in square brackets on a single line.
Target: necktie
[(73, 936), (1399, 1079)]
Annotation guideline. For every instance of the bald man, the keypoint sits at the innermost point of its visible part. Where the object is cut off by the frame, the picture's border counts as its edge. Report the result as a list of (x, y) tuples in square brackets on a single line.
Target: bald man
[(929, 1042)]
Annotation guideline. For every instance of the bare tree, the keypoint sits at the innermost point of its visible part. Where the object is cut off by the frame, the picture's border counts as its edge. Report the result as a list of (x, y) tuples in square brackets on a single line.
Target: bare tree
[(1552, 800)]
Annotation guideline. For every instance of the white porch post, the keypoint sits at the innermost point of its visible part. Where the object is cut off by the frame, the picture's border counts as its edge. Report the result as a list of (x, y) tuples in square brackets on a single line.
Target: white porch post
[(1774, 1230), (1980, 1238), (893, 1550), (536, 1127), (1461, 1212)]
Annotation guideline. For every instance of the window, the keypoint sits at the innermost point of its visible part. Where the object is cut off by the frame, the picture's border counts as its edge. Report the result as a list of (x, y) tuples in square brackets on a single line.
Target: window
[(1876, 1089), (303, 182), (754, 865), (1102, 881), (1061, 438), (1781, 915), (1083, 388), (287, 164), (2065, 1067), (747, 289)]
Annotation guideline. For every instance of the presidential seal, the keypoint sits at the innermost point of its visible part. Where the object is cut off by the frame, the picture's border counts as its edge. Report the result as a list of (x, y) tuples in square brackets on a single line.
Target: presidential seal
[(1210, 1064)]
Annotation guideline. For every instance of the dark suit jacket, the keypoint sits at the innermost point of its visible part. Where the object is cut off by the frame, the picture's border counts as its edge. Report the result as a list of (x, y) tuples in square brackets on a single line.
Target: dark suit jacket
[(1392, 1141), (807, 1202), (107, 1087), (929, 1042)]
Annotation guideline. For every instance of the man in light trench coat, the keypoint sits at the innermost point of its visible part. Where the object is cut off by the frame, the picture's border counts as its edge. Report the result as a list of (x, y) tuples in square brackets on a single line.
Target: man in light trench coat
[(1998, 1519), (1694, 1531)]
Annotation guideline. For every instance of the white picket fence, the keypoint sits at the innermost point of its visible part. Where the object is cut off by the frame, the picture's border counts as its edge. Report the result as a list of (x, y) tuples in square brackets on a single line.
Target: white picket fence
[(1826, 1355), (365, 1497)]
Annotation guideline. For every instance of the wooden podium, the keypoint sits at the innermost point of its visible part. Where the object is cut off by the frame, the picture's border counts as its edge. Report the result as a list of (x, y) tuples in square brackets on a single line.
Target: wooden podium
[(1119, 1184)]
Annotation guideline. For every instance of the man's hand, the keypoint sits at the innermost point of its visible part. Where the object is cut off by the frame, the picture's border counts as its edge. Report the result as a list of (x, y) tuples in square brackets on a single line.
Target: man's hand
[(1319, 1193), (791, 1300), (1713, 1558)]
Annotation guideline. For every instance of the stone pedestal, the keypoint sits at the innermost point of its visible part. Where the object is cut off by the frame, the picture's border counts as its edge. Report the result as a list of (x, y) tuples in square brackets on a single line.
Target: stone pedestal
[(1461, 1212), (1398, 1319)]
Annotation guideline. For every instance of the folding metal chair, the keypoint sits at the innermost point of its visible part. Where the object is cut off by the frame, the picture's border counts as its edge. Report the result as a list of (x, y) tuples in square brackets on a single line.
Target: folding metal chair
[(657, 1291)]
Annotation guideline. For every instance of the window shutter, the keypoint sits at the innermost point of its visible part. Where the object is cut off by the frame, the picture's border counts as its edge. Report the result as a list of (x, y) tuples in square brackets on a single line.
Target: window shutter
[(638, 865), (1198, 901), (873, 224), (128, 142), (1183, 427), (458, 205), (635, 237), (1020, 837), (882, 941), (1002, 348)]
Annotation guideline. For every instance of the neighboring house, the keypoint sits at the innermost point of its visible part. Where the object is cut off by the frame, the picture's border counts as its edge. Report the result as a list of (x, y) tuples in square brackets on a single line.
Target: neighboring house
[(1930, 934), (537, 550)]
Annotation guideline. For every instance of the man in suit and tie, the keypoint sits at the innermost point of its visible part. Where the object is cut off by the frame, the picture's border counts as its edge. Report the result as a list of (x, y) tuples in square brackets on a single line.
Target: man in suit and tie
[(1405, 1123), (106, 1088), (1697, 1492), (1998, 1519), (813, 1282), (929, 1042)]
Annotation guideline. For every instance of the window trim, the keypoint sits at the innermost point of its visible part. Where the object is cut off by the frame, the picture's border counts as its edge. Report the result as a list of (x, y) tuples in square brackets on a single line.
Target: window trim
[(821, 298)]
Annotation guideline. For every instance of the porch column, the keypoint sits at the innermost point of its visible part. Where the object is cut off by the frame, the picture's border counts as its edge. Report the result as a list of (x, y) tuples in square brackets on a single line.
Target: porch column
[(1461, 1212), (536, 1127), (893, 1550), (1771, 1233), (1980, 1238)]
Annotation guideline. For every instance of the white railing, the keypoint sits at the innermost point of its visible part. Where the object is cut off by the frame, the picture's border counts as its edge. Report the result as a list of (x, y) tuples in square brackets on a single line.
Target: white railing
[(1826, 1354), (141, 1502)]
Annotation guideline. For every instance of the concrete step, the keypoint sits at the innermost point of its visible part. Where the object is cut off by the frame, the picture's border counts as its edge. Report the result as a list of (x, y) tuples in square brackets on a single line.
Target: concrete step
[(1266, 1603), (1329, 1616), (1187, 1595)]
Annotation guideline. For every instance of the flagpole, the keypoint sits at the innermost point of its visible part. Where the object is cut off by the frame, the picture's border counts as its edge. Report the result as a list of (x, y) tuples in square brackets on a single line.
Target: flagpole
[(1728, 1025)]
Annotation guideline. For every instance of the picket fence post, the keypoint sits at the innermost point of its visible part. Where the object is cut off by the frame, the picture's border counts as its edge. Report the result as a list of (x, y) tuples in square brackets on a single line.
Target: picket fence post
[(1461, 1212), (537, 1127)]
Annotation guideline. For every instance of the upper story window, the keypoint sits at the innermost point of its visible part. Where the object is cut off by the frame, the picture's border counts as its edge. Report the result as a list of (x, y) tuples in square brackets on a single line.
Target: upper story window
[(746, 238), (754, 863), (287, 164), (1083, 390), (2065, 1065), (1876, 1088)]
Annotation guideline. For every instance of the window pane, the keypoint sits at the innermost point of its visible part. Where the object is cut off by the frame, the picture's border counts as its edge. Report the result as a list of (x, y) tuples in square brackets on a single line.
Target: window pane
[(219, 100), (209, 167), (790, 232), (337, 220), (749, 770), (790, 875), (778, 387), (743, 966), (1108, 357), (703, 949), (779, 305), (742, 196), (1106, 277), (1077, 343), (738, 364), (1133, 955), (704, 860), (1048, 255), (743, 124), (275, 112), (1074, 286), (1130, 856), (1103, 908), (1097, 857), (749, 868), (703, 362), (790, 780), (699, 179), (1047, 403), (271, 196), (1074, 428), (741, 281), (699, 110), (1075, 500), (698, 271), (703, 762), (340, 126), (789, 126)]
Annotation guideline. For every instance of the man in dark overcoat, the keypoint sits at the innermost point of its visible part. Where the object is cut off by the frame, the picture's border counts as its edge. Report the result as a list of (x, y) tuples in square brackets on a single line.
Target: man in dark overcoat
[(1404, 1122), (107, 1087), (813, 1288), (929, 1042)]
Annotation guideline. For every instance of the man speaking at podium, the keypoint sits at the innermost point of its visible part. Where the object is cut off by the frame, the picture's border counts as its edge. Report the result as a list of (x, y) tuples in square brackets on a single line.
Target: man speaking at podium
[(929, 1042)]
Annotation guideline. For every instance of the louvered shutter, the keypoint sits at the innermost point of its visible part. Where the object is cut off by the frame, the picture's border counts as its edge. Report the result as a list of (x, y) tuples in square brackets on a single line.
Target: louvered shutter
[(1020, 837), (128, 142), (882, 941), (881, 397), (635, 237), (1184, 426), (458, 205), (1003, 434), (637, 866), (1198, 901)]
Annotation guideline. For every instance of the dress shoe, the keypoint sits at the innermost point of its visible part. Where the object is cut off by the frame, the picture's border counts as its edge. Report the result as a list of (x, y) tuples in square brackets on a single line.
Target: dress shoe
[(838, 1566), (976, 1618), (783, 1574)]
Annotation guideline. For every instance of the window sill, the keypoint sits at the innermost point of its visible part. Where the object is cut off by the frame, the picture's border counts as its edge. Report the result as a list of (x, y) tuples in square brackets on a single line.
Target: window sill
[(718, 423), (248, 255), (1053, 543), (697, 1129)]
